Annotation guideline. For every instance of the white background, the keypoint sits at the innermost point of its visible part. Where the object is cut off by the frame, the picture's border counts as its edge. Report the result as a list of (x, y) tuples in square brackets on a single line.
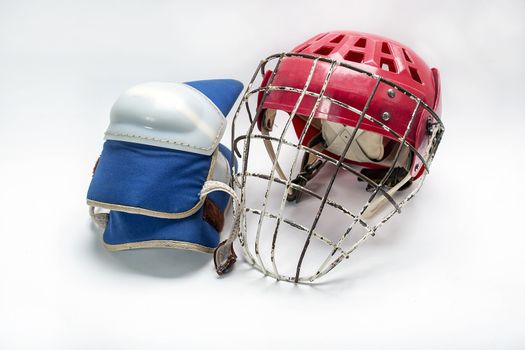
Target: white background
[(449, 273)]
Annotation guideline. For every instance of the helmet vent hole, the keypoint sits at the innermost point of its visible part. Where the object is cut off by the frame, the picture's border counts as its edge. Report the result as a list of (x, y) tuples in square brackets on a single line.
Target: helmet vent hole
[(354, 56), (388, 64), (385, 48), (415, 74), (337, 39), (360, 43), (407, 57), (324, 50)]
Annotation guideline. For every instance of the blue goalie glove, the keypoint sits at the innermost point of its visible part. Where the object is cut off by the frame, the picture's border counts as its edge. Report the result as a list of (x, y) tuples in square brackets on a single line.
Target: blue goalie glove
[(161, 146)]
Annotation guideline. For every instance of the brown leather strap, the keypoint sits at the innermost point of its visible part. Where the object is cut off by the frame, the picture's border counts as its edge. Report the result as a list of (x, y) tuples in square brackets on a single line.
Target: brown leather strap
[(95, 166), (213, 215)]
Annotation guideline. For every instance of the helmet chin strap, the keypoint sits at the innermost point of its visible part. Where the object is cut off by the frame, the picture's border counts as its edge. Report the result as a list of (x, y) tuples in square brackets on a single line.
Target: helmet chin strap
[(378, 203), (268, 118)]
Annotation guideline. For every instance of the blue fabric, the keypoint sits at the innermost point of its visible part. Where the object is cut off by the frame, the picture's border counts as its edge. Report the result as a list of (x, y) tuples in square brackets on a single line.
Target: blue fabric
[(222, 92), (132, 228), (156, 178), (148, 177)]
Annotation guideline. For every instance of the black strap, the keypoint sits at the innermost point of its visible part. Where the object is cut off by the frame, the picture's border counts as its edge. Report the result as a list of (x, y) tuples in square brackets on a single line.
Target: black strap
[(310, 166), (377, 176)]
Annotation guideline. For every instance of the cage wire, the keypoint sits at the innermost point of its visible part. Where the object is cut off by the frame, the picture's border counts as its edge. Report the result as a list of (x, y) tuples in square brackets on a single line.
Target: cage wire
[(261, 224)]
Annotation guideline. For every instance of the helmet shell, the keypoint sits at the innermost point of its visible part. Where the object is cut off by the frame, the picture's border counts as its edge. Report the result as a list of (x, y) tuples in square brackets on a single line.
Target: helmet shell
[(373, 54)]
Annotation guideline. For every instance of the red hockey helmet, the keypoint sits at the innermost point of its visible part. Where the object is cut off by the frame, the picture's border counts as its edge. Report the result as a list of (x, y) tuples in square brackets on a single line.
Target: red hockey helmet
[(366, 105), (390, 109)]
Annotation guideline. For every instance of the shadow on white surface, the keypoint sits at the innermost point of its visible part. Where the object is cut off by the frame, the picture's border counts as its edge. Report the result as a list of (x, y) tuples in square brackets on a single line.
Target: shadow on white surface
[(155, 262)]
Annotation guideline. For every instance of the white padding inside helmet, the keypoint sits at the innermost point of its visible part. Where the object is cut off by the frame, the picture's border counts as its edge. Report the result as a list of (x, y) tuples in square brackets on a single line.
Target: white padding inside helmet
[(367, 146)]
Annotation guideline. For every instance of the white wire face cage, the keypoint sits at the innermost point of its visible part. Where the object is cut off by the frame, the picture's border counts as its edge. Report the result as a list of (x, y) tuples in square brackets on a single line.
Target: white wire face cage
[(297, 220)]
